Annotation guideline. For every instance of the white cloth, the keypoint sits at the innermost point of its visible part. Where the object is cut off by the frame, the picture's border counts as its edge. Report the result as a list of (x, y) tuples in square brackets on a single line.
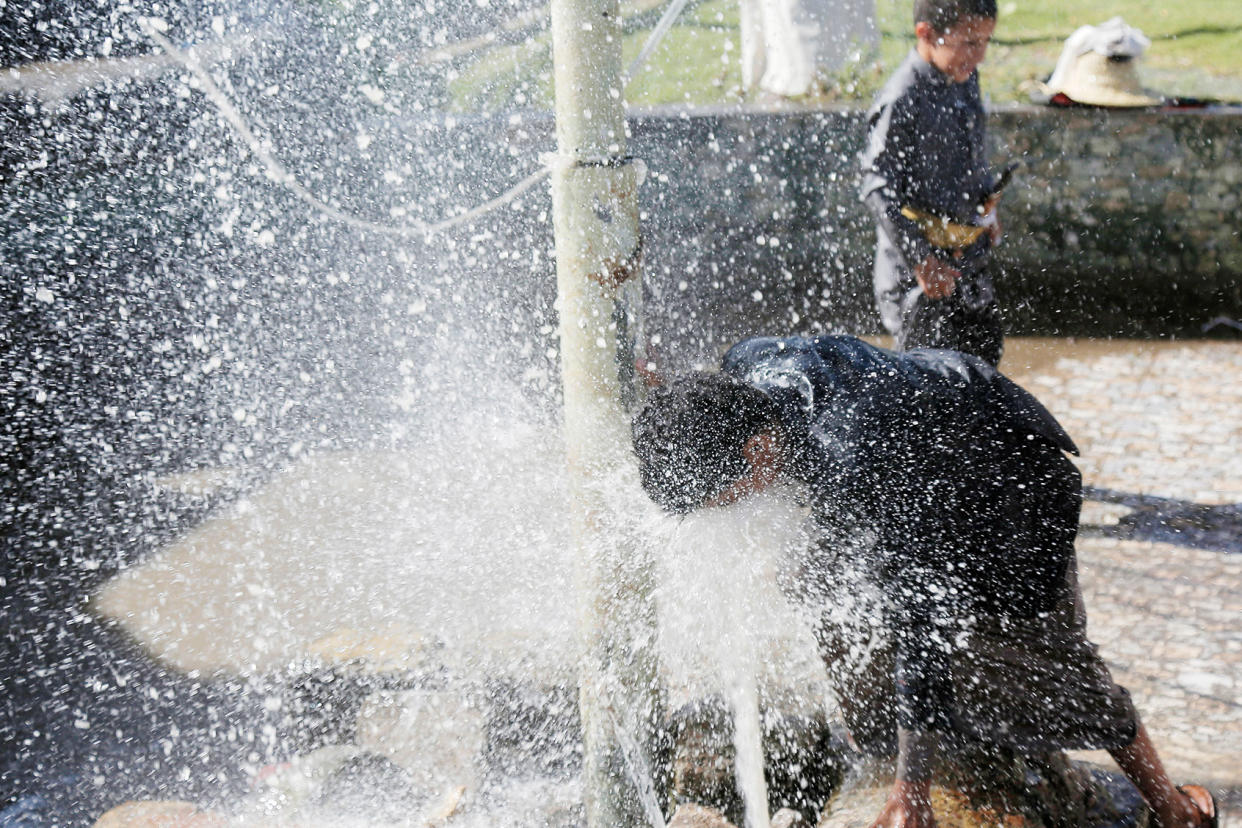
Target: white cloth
[(786, 43), (1112, 38)]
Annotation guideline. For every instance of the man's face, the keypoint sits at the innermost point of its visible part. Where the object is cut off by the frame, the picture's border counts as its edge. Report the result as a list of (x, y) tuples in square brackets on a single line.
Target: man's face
[(958, 50), (763, 466)]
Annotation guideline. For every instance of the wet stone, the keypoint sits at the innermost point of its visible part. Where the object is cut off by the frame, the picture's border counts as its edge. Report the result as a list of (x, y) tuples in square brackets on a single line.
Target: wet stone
[(690, 815), (698, 816), (316, 705), (370, 785), (437, 736), (532, 730), (158, 814), (805, 760)]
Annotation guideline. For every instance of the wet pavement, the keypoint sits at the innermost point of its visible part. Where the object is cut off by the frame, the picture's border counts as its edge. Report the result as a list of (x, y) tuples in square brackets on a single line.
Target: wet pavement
[(1159, 426), (1160, 559)]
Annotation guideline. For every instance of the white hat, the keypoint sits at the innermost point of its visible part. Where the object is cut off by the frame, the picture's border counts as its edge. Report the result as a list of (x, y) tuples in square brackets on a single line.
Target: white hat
[(1098, 67)]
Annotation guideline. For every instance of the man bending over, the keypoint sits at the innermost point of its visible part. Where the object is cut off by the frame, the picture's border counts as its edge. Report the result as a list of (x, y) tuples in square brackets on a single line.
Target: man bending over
[(944, 487)]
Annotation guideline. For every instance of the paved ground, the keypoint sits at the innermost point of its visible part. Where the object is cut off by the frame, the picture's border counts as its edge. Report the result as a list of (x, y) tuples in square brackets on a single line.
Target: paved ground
[(1160, 427)]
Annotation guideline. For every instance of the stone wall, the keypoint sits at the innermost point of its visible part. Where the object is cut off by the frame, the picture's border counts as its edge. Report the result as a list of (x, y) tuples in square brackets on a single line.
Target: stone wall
[(1120, 222), (1126, 214)]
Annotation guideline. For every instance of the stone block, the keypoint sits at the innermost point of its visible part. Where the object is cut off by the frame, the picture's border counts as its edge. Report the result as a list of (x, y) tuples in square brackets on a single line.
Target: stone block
[(436, 735), (158, 814)]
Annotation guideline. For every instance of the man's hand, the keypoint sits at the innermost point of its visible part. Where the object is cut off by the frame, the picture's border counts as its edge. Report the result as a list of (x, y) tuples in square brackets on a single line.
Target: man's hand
[(908, 806), (936, 278)]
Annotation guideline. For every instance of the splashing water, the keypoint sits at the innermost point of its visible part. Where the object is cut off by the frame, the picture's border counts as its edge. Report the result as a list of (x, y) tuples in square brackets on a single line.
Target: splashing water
[(721, 607), (409, 517), (451, 559), (448, 549)]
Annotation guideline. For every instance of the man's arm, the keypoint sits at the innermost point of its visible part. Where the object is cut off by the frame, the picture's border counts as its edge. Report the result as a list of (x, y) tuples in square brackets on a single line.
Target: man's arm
[(911, 243), (905, 232), (923, 688), (909, 802)]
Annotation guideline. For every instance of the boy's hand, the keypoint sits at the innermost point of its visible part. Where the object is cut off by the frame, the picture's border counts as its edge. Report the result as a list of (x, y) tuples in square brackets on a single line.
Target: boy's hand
[(994, 230), (936, 278), (908, 806), (990, 219)]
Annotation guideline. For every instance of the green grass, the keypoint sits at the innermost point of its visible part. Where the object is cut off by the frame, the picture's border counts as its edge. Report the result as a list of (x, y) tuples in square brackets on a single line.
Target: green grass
[(1196, 51), (1196, 44), (688, 66), (696, 63)]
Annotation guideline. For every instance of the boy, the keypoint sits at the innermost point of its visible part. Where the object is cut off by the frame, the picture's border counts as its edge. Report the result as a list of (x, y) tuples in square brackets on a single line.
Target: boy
[(941, 489), (926, 180)]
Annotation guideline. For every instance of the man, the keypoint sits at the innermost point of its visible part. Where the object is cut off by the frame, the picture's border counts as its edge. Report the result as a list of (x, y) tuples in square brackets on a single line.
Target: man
[(945, 487)]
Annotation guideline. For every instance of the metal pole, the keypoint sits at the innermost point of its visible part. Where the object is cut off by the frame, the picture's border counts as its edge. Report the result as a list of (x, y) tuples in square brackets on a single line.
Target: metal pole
[(598, 253)]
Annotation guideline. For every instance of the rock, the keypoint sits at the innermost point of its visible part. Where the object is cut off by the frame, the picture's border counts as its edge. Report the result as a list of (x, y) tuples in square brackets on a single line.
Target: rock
[(319, 705), (346, 784), (532, 729), (372, 786), (295, 784), (159, 814), (859, 805), (804, 761), (690, 815), (438, 736), (787, 818), (393, 650), (703, 756), (448, 806)]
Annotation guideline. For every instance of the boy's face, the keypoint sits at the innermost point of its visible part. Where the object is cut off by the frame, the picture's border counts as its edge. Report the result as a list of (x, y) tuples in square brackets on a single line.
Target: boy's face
[(958, 50)]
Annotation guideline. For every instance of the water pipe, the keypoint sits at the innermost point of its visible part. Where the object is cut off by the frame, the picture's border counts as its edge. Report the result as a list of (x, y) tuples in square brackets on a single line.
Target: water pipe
[(598, 257)]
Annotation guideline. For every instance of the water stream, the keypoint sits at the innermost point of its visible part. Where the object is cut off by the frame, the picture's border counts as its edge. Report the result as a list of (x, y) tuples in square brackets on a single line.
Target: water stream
[(726, 630)]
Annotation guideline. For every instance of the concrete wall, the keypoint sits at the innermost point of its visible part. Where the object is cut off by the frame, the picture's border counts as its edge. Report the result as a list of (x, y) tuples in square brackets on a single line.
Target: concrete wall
[(1121, 222), (1126, 214)]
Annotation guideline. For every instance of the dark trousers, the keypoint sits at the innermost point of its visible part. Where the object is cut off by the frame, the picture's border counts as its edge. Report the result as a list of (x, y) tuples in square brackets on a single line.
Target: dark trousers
[(951, 323)]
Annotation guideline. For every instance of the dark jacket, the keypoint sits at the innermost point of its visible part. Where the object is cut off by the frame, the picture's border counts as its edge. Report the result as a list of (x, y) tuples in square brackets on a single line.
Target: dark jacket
[(957, 473)]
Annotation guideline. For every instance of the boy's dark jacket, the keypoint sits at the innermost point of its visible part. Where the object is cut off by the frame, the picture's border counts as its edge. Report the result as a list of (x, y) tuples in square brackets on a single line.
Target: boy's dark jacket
[(925, 149), (956, 473)]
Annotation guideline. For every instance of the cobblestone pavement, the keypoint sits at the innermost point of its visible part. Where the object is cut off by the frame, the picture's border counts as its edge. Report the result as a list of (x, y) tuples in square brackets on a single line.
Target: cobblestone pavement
[(1159, 425), (1160, 428)]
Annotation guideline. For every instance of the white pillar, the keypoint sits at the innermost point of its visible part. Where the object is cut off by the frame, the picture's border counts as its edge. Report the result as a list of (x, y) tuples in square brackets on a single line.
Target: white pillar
[(595, 216)]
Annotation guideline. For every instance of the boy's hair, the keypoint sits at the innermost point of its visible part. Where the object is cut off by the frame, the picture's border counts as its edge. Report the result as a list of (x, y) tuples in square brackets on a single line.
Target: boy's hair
[(944, 14), (690, 433)]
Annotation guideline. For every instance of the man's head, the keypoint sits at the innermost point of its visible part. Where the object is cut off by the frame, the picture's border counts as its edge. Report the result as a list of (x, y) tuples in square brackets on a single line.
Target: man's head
[(953, 35), (705, 439)]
